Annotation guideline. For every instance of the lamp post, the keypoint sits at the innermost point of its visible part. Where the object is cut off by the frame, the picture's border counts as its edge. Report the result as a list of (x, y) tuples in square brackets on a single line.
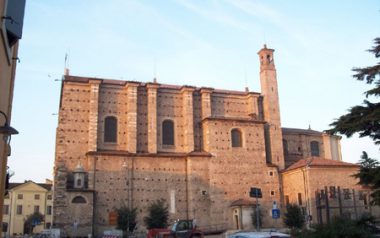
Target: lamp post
[(7, 131), (125, 166)]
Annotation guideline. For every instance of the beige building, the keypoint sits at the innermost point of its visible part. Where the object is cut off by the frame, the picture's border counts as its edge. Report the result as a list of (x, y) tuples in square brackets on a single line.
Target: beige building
[(200, 149), (24, 199), (11, 12)]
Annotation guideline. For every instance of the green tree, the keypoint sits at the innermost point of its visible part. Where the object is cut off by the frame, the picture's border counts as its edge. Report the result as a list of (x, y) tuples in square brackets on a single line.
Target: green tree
[(293, 217), (363, 119), (126, 218), (369, 175), (158, 215), (32, 221)]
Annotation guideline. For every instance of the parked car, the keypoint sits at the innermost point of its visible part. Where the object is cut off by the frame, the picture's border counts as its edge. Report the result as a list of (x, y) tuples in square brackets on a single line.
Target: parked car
[(263, 234)]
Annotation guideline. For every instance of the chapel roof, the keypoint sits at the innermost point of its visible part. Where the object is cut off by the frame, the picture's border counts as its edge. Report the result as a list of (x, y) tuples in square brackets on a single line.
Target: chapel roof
[(242, 202), (320, 162), (300, 131)]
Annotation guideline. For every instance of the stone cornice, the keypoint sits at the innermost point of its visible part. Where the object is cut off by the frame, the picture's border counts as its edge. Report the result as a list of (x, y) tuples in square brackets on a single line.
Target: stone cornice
[(157, 155)]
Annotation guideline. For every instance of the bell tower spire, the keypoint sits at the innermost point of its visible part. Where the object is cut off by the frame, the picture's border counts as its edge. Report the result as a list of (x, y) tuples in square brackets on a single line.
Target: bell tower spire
[(271, 108)]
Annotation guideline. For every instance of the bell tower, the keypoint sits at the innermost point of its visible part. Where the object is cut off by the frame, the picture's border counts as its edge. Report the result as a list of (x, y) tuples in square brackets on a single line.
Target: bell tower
[(271, 108)]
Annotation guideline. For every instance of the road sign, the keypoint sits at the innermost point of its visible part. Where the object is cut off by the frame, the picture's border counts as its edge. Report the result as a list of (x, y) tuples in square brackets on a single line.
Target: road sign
[(255, 193), (276, 213)]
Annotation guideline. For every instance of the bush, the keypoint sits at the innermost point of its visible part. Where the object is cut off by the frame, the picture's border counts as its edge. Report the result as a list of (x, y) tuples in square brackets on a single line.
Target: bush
[(158, 215), (126, 218), (341, 227), (293, 218)]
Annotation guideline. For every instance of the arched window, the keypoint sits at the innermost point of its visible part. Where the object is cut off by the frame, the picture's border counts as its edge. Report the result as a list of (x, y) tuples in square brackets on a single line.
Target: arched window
[(285, 145), (236, 138), (168, 132), (79, 182), (314, 146), (78, 199), (110, 129)]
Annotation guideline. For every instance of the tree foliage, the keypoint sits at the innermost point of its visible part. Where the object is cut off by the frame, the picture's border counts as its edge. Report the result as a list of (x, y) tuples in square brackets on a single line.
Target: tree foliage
[(293, 217), (369, 175), (158, 215), (33, 220), (126, 218), (341, 227), (363, 119)]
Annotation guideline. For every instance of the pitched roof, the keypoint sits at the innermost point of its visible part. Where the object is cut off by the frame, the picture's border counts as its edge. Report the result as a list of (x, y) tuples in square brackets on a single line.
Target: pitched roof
[(79, 79), (242, 202), (300, 131), (44, 185), (319, 162)]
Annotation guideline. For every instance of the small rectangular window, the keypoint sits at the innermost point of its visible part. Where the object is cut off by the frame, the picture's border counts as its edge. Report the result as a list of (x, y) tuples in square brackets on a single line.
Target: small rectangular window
[(19, 210), (6, 209), (36, 196), (48, 210), (20, 196), (287, 200), (49, 197), (4, 227), (299, 199), (36, 208)]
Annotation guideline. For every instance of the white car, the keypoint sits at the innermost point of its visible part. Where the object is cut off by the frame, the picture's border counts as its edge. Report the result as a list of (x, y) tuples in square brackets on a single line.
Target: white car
[(264, 234)]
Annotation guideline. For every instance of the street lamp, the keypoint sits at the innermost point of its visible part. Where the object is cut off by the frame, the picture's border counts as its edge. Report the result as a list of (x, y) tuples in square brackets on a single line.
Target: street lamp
[(7, 131), (125, 166)]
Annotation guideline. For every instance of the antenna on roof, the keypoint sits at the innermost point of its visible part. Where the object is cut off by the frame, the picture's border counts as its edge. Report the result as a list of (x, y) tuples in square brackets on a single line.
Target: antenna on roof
[(245, 80), (154, 70), (66, 69)]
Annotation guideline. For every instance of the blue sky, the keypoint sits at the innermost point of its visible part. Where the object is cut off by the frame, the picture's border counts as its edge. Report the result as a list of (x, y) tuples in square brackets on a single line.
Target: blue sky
[(201, 43)]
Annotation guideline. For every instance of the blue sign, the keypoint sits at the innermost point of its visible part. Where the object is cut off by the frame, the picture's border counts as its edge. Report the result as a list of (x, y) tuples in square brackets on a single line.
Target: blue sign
[(275, 213)]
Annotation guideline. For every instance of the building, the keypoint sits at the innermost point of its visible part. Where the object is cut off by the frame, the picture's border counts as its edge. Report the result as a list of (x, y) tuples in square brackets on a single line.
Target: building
[(200, 149), (11, 12), (24, 199)]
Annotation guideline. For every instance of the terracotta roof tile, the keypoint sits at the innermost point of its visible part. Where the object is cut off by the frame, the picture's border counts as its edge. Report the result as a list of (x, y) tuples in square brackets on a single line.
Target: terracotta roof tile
[(319, 162), (79, 79)]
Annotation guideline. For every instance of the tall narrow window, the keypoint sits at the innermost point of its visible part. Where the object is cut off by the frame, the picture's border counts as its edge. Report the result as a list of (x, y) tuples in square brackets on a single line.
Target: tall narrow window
[(314, 146), (168, 132), (236, 138), (48, 210), (110, 129), (19, 209), (285, 145), (36, 208), (299, 199), (6, 209)]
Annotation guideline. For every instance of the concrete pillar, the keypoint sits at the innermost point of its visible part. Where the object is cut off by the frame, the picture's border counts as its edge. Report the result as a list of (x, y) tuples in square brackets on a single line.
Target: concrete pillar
[(152, 117), (188, 117), (206, 102), (93, 115), (131, 89), (253, 111)]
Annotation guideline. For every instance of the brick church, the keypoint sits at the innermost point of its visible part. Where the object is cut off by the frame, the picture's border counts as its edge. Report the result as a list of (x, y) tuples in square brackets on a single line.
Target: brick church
[(127, 143)]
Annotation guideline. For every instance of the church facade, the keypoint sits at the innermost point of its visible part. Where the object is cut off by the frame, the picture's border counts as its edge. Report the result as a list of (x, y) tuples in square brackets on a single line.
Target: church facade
[(127, 143)]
